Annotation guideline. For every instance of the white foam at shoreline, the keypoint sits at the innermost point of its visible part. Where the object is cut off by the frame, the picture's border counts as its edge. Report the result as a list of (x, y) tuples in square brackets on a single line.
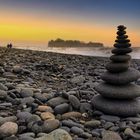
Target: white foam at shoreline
[(83, 51)]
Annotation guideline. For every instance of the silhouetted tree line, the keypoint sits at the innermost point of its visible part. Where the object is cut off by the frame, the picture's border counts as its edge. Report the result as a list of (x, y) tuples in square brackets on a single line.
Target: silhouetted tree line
[(72, 43)]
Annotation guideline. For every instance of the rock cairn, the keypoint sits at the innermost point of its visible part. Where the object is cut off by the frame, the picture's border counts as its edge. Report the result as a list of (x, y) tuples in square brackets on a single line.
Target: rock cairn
[(118, 92)]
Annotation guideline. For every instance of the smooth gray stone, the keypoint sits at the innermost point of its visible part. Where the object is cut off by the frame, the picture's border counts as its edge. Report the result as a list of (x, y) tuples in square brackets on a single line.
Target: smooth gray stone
[(56, 101), (121, 51), (121, 78), (120, 58), (128, 91), (61, 109), (117, 67), (122, 45), (116, 107)]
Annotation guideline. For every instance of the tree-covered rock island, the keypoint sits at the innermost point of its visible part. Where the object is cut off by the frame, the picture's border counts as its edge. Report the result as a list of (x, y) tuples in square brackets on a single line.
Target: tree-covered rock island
[(73, 43)]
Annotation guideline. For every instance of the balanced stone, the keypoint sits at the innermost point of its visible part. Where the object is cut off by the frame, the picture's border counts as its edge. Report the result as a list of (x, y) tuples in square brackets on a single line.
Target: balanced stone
[(117, 107), (120, 58), (120, 45), (122, 37), (118, 96), (117, 67), (121, 27), (122, 40), (121, 33), (121, 51), (128, 91), (121, 78)]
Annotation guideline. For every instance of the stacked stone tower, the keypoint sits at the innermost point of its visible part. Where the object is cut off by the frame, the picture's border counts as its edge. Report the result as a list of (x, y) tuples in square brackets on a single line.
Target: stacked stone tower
[(118, 92)]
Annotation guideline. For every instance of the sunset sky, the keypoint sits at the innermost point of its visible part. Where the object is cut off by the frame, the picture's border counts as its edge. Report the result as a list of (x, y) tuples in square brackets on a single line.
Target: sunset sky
[(34, 22)]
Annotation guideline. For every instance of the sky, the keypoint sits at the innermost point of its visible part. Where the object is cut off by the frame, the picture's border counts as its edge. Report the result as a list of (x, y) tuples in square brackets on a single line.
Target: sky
[(35, 22)]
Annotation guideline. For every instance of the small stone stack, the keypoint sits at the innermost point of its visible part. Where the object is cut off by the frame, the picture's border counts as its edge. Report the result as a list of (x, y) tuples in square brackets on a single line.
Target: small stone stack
[(118, 92)]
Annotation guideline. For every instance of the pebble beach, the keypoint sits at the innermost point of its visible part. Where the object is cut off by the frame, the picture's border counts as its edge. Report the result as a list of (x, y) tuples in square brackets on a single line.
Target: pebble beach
[(47, 96)]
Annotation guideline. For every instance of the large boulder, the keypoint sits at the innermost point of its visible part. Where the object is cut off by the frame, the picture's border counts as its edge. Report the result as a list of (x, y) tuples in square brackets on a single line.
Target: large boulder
[(128, 91), (116, 107), (121, 78)]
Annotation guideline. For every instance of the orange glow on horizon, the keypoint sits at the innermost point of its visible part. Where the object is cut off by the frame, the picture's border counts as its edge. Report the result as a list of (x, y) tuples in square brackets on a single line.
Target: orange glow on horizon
[(23, 28)]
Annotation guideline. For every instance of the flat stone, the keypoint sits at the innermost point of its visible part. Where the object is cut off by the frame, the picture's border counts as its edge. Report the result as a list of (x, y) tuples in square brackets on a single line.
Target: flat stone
[(70, 123), (121, 78), (71, 114), (128, 91), (121, 51), (122, 37), (116, 107), (44, 108), (117, 67), (110, 118), (121, 32), (58, 134), (122, 45), (109, 135), (120, 58), (56, 101), (122, 40)]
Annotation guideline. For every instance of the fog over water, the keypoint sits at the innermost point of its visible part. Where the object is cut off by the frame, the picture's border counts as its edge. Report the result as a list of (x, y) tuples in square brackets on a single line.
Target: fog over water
[(88, 51)]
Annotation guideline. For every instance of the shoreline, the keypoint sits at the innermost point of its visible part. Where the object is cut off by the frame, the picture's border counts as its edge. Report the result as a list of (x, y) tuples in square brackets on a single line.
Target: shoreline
[(45, 51)]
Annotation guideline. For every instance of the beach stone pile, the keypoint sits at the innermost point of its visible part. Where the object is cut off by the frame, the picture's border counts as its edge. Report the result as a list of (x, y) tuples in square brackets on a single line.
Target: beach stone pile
[(118, 92)]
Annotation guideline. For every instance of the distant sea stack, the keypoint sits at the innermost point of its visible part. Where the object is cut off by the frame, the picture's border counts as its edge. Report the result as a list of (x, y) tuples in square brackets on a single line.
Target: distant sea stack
[(118, 92), (72, 43)]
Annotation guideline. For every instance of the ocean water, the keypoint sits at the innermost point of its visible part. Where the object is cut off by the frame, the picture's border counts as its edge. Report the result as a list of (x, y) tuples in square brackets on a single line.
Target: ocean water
[(88, 51)]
